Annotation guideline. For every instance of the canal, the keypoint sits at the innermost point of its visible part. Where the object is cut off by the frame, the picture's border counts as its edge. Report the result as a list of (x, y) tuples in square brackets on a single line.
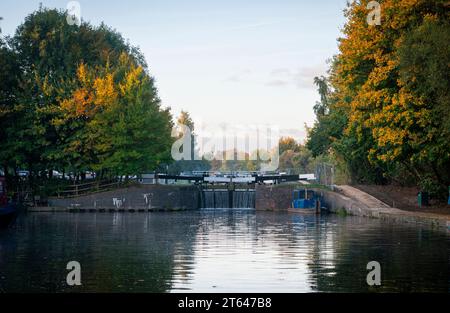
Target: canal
[(220, 251)]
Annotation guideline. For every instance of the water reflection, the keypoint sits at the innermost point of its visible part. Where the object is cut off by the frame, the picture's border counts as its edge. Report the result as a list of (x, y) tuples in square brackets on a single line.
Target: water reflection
[(219, 251)]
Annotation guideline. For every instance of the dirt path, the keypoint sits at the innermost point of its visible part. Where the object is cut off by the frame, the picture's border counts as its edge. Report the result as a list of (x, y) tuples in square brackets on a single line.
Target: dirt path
[(404, 198), (359, 193)]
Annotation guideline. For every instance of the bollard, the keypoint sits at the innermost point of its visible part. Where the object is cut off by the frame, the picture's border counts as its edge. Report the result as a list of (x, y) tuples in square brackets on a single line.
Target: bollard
[(317, 206)]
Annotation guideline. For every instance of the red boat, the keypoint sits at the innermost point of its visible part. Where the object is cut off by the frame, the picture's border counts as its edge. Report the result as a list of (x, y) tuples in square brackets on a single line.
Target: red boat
[(8, 210)]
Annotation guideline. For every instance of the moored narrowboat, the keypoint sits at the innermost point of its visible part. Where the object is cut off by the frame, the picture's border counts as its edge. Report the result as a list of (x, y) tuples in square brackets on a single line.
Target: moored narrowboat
[(305, 201)]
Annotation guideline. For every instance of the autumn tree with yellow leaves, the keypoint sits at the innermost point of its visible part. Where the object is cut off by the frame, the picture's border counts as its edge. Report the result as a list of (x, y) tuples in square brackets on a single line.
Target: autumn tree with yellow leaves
[(388, 95), (113, 121), (79, 98)]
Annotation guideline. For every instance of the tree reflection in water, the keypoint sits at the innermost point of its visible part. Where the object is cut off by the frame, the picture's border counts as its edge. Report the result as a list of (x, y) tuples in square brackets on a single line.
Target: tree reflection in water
[(219, 250)]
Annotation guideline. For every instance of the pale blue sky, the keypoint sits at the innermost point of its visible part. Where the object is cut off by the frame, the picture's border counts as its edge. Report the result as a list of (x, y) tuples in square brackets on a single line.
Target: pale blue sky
[(236, 62)]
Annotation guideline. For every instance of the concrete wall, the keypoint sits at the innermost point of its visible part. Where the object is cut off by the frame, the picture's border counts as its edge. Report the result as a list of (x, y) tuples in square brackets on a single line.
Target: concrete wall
[(356, 203), (276, 198), (273, 197), (140, 196), (279, 197), (335, 202)]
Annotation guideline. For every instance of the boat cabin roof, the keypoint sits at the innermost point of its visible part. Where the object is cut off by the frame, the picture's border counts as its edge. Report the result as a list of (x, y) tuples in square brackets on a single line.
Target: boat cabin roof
[(304, 193)]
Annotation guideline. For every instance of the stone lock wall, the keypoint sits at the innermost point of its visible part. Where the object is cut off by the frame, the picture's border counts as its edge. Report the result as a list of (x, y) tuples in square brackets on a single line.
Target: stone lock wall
[(159, 197), (274, 197)]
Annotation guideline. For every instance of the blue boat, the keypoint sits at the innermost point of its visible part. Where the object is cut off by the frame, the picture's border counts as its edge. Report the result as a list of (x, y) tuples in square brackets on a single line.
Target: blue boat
[(8, 211), (305, 201), (448, 195)]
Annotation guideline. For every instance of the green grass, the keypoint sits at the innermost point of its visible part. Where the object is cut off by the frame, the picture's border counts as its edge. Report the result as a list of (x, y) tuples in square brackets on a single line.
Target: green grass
[(341, 212), (301, 186)]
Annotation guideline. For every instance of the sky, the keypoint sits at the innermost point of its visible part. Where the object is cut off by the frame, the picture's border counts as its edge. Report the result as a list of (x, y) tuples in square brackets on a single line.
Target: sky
[(233, 62)]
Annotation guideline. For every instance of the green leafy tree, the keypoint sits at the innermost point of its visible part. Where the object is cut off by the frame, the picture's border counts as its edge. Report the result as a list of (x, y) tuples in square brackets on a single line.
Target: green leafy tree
[(82, 100), (197, 162), (387, 106), (424, 73), (9, 86), (287, 143)]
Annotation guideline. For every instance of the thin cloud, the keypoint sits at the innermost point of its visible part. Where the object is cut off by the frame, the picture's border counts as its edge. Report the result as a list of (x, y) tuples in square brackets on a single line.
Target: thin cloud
[(301, 78), (238, 76), (277, 83), (254, 25), (297, 134), (280, 72), (233, 79)]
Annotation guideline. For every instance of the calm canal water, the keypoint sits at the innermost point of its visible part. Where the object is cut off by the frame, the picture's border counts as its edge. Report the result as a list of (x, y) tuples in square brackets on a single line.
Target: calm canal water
[(219, 251)]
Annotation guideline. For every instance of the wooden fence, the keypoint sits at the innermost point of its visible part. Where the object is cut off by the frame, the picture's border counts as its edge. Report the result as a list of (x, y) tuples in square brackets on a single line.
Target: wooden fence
[(92, 187)]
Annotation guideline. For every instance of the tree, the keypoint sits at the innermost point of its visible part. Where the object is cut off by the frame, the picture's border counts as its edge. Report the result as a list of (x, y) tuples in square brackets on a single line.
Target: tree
[(50, 51), (122, 127), (197, 162), (84, 101), (294, 157), (330, 120), (9, 84), (185, 119), (321, 108), (424, 77), (287, 143), (384, 95)]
